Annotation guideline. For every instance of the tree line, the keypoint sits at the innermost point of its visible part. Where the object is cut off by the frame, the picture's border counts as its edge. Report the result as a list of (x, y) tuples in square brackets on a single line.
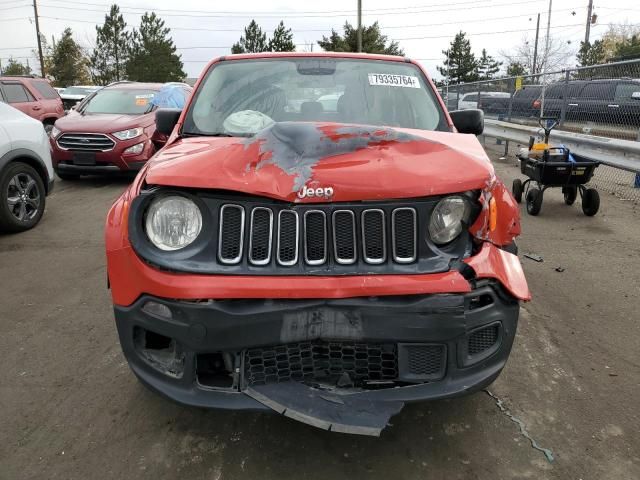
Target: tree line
[(143, 54), (148, 53)]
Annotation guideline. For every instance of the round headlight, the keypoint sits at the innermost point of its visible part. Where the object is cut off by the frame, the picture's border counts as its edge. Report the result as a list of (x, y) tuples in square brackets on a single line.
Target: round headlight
[(446, 220), (173, 222)]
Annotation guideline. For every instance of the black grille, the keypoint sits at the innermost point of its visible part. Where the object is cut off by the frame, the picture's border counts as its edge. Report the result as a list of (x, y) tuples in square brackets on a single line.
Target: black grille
[(288, 237), (260, 236), (373, 236), (85, 142), (344, 236), (425, 359), (404, 235), (315, 232), (482, 339), (321, 361), (421, 362), (347, 233), (231, 233)]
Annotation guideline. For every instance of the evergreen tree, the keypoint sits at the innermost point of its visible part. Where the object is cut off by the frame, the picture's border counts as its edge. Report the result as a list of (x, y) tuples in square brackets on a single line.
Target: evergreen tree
[(16, 68), (109, 58), (516, 69), (254, 40), (282, 40), (487, 66), (628, 49), (460, 64), (68, 64), (152, 56), (372, 41), (591, 53)]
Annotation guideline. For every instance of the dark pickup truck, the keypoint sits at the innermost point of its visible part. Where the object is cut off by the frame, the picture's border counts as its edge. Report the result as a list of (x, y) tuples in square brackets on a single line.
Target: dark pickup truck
[(613, 101)]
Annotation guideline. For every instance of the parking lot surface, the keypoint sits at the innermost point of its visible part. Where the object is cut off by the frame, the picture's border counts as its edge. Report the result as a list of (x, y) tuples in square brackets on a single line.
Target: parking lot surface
[(71, 409)]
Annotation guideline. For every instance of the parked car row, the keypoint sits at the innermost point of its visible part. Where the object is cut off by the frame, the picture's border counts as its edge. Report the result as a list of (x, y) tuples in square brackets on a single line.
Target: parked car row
[(111, 131), (615, 101)]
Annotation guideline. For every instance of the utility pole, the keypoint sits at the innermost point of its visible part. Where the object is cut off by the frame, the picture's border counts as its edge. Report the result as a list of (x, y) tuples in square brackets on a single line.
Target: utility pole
[(535, 48), (35, 12), (546, 57), (587, 30), (359, 25)]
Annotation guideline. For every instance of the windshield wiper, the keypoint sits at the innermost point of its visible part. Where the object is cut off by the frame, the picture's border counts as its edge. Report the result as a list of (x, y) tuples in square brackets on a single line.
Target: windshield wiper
[(214, 134)]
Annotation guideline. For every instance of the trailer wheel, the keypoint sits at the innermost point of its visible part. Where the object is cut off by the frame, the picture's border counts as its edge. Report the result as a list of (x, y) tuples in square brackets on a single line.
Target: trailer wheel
[(534, 201), (570, 195), (516, 189), (590, 202)]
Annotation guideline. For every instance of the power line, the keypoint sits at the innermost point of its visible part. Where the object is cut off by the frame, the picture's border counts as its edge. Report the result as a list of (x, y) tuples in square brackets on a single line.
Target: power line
[(384, 27), (279, 13), (210, 14), (16, 6)]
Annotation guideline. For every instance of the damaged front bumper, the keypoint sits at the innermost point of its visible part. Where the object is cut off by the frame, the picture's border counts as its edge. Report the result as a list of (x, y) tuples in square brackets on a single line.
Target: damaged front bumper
[(368, 354)]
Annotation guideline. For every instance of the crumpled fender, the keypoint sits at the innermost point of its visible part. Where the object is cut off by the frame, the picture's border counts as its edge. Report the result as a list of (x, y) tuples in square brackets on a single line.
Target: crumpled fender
[(497, 202), (493, 262)]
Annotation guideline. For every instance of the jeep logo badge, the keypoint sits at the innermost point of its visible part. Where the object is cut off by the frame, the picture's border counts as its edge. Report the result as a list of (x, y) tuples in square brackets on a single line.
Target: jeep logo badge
[(307, 192)]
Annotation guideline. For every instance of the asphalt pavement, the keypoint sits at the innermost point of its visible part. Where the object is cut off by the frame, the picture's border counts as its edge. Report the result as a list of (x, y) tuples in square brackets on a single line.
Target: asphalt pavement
[(566, 406)]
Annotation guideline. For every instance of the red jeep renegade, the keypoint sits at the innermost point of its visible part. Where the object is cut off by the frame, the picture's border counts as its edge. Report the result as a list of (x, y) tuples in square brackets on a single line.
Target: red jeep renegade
[(330, 261)]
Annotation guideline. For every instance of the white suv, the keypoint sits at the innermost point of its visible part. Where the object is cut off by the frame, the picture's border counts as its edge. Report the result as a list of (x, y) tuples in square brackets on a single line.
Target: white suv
[(26, 174)]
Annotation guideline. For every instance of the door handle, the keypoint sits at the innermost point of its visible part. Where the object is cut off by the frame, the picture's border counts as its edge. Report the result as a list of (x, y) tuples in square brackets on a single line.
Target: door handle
[(613, 106), (36, 107), (573, 104)]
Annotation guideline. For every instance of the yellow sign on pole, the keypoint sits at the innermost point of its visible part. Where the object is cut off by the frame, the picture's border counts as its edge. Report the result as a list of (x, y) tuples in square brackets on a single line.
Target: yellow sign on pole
[(518, 83)]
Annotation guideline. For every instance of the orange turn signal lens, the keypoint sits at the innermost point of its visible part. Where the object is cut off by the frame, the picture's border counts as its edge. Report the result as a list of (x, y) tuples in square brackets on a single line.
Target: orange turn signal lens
[(493, 214)]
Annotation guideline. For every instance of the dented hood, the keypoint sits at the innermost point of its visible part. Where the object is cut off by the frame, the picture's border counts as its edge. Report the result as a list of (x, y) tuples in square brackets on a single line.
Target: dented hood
[(357, 162)]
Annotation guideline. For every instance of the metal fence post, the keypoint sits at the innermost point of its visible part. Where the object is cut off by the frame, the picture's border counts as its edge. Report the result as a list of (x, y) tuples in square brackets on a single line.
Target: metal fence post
[(511, 85), (636, 183), (565, 100)]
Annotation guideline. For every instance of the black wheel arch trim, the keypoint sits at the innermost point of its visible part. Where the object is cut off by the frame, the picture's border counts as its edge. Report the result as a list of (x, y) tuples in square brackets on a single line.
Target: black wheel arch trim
[(30, 158)]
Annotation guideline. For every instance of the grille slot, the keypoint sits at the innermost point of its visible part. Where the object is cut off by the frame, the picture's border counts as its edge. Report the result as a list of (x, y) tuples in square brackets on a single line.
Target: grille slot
[(231, 234), (421, 362), (403, 227), (321, 361), (483, 339), (344, 236), (374, 244), (260, 235), (288, 233), (85, 142), (315, 237)]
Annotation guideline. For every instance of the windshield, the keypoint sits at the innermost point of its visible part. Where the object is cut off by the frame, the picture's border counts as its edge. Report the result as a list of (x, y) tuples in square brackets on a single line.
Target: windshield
[(78, 91), (123, 101), (242, 97)]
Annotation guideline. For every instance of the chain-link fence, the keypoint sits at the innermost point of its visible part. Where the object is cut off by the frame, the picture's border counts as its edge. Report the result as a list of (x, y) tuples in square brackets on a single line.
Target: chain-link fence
[(602, 100)]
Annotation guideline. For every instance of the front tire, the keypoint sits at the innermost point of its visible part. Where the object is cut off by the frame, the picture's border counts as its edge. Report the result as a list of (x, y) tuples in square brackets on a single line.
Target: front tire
[(590, 202), (570, 195), (22, 197), (534, 201), (516, 189)]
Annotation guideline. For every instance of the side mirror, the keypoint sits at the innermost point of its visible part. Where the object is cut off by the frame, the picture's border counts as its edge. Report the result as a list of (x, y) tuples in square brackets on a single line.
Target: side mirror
[(468, 121), (166, 119)]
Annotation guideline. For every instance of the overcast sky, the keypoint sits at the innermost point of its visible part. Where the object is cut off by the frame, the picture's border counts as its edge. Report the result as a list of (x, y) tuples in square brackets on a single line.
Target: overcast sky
[(423, 28)]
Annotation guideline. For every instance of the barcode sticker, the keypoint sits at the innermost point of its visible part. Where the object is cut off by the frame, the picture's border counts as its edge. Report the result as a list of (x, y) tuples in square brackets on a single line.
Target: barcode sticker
[(391, 80)]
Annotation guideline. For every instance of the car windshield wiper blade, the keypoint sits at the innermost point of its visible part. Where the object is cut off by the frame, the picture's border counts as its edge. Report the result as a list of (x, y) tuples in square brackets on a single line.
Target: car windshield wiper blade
[(213, 134)]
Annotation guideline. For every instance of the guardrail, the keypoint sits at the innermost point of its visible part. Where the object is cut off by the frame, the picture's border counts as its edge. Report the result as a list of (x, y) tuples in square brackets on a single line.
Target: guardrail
[(622, 154)]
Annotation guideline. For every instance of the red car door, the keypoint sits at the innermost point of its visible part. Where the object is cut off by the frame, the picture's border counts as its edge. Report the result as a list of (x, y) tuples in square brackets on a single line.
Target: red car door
[(19, 97)]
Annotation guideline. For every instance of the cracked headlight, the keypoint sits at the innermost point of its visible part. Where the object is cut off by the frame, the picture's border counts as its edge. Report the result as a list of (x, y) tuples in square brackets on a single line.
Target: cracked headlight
[(447, 219), (173, 222), (128, 134)]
